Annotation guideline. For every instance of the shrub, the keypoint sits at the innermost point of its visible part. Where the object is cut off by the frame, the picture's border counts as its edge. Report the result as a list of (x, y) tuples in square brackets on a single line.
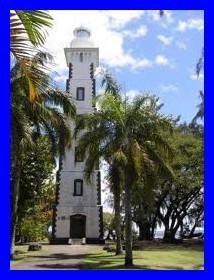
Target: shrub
[(35, 247), (31, 230)]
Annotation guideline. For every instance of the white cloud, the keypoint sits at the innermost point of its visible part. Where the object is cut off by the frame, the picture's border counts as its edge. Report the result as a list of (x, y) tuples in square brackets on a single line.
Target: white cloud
[(164, 21), (60, 78), (104, 28), (197, 77), (169, 88), (168, 16), (165, 40), (131, 94), (142, 63), (161, 60), (194, 23), (181, 45), (182, 26), (105, 33), (119, 18), (140, 32), (153, 15)]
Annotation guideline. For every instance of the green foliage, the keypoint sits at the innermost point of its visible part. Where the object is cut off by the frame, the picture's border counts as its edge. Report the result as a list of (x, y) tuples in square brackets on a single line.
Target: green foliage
[(35, 214), (184, 193), (27, 33), (200, 63), (37, 175), (108, 221), (188, 159), (200, 112), (31, 229), (36, 190)]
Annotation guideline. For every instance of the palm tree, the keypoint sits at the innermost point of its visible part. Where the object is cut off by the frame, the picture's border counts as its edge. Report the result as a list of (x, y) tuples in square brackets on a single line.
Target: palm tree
[(113, 88), (129, 136), (27, 33), (199, 69), (114, 172), (200, 63), (200, 112), (115, 184), (47, 115)]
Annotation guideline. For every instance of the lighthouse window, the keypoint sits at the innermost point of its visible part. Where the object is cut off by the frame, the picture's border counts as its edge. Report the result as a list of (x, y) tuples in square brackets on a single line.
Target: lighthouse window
[(78, 156), (80, 93), (78, 187), (81, 57)]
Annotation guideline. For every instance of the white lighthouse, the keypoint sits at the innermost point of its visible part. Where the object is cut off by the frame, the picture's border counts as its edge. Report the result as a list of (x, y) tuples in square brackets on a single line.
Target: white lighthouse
[(78, 211)]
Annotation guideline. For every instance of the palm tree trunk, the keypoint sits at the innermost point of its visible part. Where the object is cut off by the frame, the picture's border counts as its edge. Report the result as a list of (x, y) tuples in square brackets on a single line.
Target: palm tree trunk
[(128, 224), (16, 175), (117, 220)]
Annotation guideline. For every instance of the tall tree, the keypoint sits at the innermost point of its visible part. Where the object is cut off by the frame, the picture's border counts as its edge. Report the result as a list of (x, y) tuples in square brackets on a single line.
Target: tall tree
[(49, 114), (36, 182), (129, 135), (143, 204), (176, 198), (200, 112), (199, 69), (200, 63)]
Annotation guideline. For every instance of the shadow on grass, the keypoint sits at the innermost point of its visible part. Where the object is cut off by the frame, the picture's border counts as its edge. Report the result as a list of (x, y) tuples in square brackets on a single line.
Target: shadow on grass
[(99, 261), (110, 262), (19, 258), (59, 266), (172, 247), (47, 261), (61, 256)]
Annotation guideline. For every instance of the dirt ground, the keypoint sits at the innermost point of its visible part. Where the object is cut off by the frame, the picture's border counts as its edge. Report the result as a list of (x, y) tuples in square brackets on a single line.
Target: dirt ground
[(53, 257)]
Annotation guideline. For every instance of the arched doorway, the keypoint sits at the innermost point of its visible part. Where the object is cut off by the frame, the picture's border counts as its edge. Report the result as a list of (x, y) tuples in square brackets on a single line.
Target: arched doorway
[(77, 226)]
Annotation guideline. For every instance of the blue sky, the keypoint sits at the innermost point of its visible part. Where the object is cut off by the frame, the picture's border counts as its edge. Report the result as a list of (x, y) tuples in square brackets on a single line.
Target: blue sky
[(146, 53)]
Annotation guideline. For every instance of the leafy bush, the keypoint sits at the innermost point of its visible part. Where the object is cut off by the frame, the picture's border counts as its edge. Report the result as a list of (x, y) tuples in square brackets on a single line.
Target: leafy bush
[(32, 230)]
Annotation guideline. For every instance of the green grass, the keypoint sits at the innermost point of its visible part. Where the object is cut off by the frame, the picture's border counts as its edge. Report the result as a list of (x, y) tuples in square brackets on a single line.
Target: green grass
[(152, 259)]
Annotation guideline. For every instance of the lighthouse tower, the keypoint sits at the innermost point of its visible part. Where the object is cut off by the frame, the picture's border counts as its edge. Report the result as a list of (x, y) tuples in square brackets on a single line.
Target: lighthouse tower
[(78, 211)]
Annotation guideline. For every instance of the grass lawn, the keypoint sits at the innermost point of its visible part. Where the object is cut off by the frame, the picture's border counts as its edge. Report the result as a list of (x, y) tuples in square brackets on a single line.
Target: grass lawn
[(175, 257)]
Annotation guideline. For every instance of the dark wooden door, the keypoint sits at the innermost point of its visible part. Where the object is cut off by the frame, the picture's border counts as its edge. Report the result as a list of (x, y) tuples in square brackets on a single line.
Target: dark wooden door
[(77, 226)]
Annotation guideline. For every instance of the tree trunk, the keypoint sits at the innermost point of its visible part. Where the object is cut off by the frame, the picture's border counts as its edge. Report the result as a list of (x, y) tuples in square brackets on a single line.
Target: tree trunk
[(154, 221), (16, 175), (128, 225), (169, 233), (117, 220), (144, 230), (191, 234), (169, 236)]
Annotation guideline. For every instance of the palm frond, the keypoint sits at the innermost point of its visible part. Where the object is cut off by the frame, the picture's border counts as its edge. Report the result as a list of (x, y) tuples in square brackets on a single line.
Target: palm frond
[(27, 32), (110, 84)]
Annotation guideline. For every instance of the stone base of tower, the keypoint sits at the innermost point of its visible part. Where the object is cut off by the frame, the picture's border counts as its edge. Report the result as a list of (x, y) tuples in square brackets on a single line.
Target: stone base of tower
[(59, 241), (69, 225), (95, 241), (65, 241)]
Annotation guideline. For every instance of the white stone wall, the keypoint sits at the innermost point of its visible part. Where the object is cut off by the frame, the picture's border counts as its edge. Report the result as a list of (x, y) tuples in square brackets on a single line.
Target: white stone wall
[(89, 197)]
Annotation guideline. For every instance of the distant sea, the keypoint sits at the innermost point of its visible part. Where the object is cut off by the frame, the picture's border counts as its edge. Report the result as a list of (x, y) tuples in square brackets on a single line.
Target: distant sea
[(159, 233)]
